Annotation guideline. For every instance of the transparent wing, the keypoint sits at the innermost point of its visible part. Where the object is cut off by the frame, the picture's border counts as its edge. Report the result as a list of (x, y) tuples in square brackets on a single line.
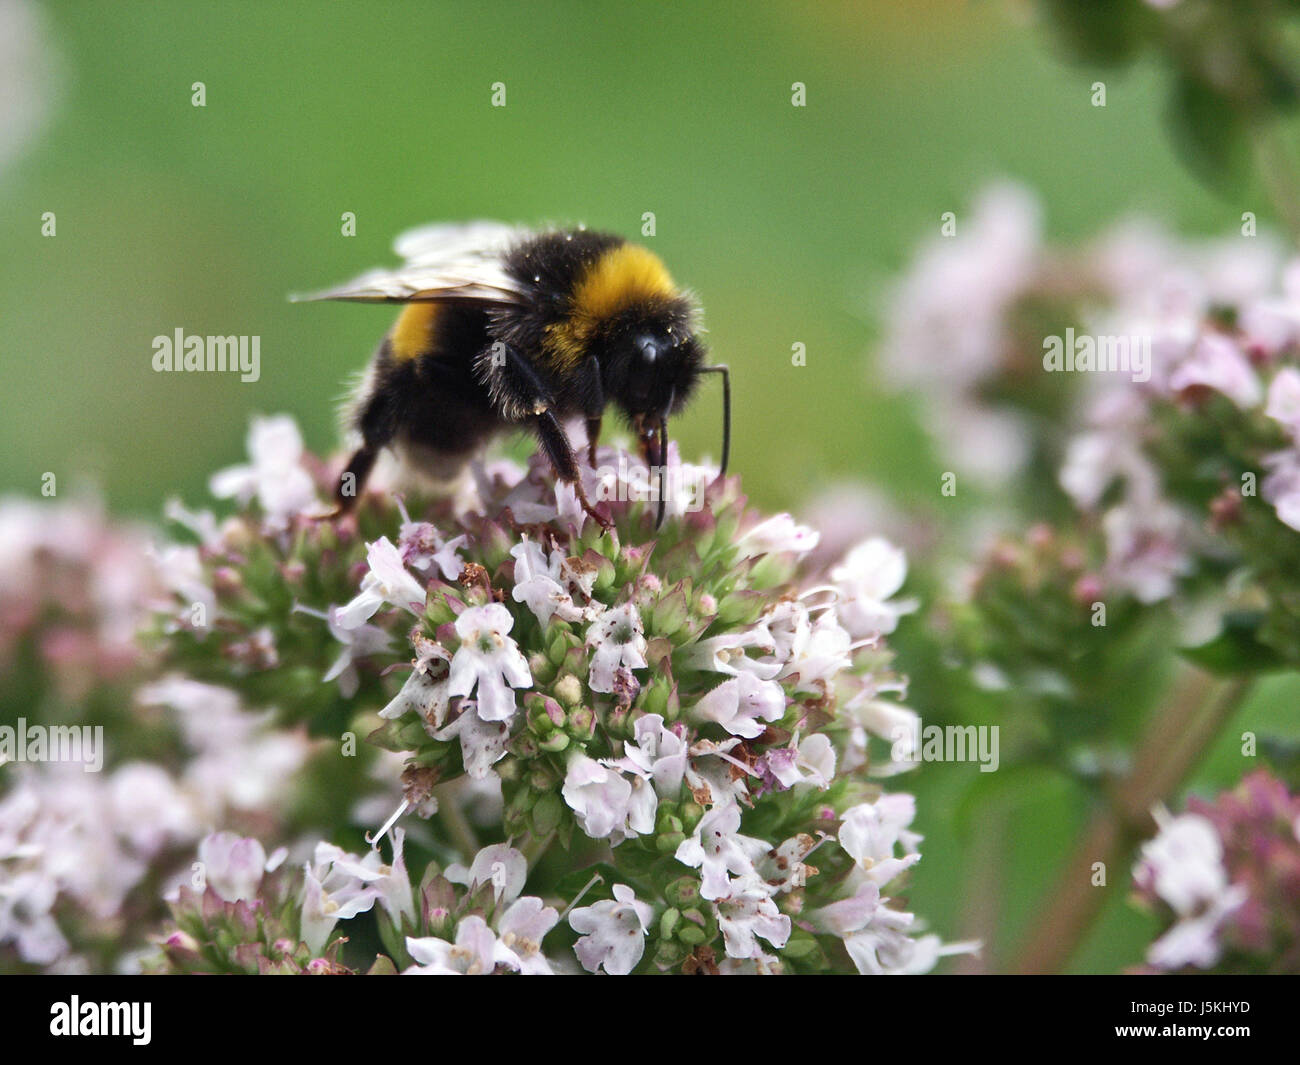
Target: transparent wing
[(442, 263)]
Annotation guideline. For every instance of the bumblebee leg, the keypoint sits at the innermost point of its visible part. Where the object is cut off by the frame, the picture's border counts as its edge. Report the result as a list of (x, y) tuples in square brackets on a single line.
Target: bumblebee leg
[(517, 391), (558, 449), (353, 480), (593, 405), (376, 421)]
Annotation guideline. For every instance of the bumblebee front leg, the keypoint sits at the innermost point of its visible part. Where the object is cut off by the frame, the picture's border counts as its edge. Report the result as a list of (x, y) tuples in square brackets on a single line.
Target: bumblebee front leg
[(558, 449), (521, 396), (593, 405)]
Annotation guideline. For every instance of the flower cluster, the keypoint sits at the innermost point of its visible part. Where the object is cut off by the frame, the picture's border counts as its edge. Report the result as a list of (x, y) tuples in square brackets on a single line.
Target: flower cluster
[(1173, 441), (73, 594), (1228, 874), (82, 853), (1191, 475), (686, 713), (254, 913), (89, 828), (240, 915)]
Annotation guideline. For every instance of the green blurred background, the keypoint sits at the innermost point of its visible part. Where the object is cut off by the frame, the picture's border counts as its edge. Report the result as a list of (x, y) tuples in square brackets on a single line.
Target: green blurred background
[(787, 221)]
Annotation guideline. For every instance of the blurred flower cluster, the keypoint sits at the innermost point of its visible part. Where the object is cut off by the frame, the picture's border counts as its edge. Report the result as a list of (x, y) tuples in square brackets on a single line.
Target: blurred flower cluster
[(86, 845), (1183, 478), (1228, 874), (1126, 412)]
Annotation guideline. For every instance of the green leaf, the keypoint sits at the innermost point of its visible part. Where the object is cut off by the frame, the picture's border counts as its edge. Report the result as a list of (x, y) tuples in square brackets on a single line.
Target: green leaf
[(1208, 131), (1237, 648), (1098, 31), (1011, 785)]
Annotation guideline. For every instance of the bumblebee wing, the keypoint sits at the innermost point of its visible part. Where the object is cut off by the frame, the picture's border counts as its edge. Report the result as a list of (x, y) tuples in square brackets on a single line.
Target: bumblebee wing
[(442, 264), (456, 240)]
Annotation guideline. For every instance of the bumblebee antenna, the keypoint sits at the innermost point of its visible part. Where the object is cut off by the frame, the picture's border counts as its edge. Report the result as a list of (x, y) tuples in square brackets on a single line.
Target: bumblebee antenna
[(726, 412), (663, 462)]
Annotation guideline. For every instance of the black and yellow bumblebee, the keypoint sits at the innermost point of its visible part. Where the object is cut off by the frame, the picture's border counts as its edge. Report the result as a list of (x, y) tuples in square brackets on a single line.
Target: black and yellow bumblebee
[(514, 328)]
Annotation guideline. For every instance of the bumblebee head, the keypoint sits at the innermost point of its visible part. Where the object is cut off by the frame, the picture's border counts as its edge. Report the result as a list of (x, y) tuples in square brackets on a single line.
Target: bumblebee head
[(650, 365)]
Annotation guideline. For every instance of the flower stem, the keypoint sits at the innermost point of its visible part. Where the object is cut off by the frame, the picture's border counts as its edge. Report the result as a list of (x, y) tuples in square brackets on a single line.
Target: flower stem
[(454, 820), (986, 863), (1174, 742), (536, 846)]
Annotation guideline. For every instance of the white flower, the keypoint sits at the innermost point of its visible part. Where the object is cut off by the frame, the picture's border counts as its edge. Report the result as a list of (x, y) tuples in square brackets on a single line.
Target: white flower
[(1144, 548), (601, 797), (1109, 451), (1284, 400), (149, 808), (709, 773), (1217, 363), (476, 952), (869, 576), (489, 660), (783, 868), (886, 947), (1271, 323), (180, 568), (897, 724), (499, 865), (878, 938), (241, 762), (642, 805), (482, 743), (1194, 940), (1184, 863), (658, 754), (275, 476), (717, 848), (726, 653), (395, 893), (945, 317), (428, 698), (613, 932), (777, 534), (336, 886), (617, 640), (538, 582), (740, 704), (748, 913), (1281, 486), (825, 651), (811, 762), (387, 582), (946, 325), (785, 627), (422, 548), (522, 928), (359, 641), (202, 523), (870, 832), (233, 866)]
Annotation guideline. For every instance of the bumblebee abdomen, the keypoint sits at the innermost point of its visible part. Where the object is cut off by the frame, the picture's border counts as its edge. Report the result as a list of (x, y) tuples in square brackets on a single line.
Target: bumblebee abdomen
[(413, 333), (421, 390)]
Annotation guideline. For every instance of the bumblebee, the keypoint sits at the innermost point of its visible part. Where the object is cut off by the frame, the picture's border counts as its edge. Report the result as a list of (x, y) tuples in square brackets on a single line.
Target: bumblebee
[(507, 328)]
